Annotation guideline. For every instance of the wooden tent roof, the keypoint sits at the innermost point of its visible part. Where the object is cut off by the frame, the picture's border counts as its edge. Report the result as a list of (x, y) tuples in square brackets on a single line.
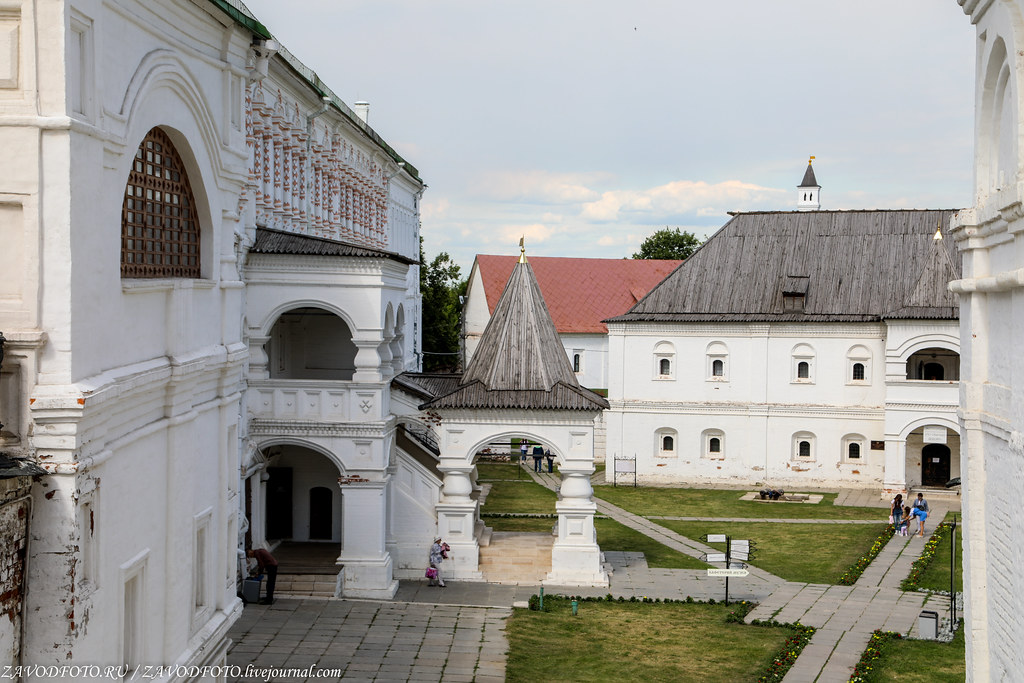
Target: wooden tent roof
[(520, 362), (849, 266), (270, 241)]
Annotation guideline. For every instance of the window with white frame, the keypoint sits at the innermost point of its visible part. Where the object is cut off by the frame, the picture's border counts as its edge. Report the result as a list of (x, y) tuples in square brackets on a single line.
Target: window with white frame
[(858, 365), (577, 361), (717, 362), (133, 610), (667, 443), (713, 446), (803, 364), (803, 446), (854, 448), (664, 361), (201, 584)]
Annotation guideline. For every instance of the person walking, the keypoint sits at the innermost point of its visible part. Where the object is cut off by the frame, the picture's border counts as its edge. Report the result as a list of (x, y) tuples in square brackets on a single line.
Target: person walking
[(896, 509), (266, 565), (538, 453), (551, 460), (523, 447), (438, 553)]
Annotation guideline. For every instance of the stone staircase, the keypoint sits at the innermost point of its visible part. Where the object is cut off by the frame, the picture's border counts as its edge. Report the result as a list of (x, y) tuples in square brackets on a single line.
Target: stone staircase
[(307, 585), (516, 558)]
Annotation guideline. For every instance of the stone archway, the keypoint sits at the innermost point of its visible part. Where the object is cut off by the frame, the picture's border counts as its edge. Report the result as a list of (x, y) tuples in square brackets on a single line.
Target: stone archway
[(935, 464)]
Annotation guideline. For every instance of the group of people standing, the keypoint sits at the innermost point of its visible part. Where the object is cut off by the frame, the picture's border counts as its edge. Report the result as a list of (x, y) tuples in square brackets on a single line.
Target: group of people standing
[(538, 453), (902, 516)]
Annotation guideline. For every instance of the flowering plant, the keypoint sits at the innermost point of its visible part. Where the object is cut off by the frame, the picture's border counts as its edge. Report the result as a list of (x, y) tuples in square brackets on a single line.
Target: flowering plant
[(919, 566), (872, 652), (851, 575)]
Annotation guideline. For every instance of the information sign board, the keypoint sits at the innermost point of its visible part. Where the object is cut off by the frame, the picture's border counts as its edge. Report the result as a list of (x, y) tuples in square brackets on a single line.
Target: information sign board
[(728, 572)]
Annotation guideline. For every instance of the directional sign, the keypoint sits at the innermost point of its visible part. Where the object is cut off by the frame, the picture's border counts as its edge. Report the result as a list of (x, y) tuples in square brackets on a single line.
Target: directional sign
[(714, 557), (742, 546), (716, 538), (728, 572), (740, 555)]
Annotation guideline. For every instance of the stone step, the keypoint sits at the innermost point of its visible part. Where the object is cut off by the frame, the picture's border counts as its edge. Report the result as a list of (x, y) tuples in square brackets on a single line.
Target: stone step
[(323, 585), (516, 558)]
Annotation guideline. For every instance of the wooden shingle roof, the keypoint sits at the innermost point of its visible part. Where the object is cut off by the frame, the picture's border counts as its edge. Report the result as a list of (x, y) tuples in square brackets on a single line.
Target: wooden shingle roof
[(520, 362), (270, 241), (850, 266)]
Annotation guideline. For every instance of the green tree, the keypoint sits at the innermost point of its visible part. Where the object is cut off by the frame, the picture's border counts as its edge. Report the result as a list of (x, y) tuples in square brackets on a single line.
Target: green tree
[(669, 244), (441, 287)]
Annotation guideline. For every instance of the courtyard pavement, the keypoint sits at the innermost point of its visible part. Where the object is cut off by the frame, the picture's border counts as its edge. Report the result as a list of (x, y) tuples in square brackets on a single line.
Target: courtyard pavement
[(457, 633)]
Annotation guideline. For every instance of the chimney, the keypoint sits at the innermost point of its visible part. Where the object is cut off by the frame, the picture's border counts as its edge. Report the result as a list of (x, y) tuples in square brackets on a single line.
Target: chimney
[(362, 109)]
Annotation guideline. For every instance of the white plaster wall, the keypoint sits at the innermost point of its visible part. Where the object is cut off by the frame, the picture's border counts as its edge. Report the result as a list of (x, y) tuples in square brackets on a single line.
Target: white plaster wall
[(991, 325), (414, 523)]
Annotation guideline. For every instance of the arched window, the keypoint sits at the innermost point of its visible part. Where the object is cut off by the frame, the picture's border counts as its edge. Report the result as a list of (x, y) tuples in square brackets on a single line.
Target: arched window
[(159, 224), (803, 446), (803, 364), (665, 442), (575, 362), (854, 446), (714, 444), (717, 361), (853, 451), (858, 372), (664, 357)]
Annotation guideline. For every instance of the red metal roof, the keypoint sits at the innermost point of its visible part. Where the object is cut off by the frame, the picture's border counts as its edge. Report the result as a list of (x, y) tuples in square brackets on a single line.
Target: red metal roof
[(579, 292)]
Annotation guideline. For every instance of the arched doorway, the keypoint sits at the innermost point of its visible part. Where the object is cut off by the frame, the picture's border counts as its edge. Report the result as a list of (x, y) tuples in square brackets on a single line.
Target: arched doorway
[(935, 459), (321, 513)]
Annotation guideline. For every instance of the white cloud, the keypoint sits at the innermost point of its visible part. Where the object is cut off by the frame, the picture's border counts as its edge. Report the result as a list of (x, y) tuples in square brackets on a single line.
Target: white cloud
[(680, 197), (537, 187)]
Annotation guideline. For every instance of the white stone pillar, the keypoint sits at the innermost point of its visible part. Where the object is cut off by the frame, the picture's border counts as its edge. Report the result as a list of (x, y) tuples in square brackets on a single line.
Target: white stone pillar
[(895, 476), (367, 563), (576, 557), (367, 361), (259, 363), (456, 520)]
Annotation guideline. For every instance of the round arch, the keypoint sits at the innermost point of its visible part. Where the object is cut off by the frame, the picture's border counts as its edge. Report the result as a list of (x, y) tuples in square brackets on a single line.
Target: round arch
[(937, 341), (929, 422), (389, 321), (271, 318), (271, 441), (517, 434)]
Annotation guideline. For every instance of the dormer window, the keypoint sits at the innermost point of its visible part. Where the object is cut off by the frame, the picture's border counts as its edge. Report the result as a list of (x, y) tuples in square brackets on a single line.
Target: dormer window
[(794, 293)]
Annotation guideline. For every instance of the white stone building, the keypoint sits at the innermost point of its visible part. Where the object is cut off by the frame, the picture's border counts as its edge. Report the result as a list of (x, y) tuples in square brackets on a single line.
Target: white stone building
[(807, 348), (992, 326), (210, 278)]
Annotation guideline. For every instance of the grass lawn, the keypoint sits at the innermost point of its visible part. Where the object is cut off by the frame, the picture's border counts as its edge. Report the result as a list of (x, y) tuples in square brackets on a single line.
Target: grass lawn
[(811, 553), (680, 502), (636, 642), (499, 470), (921, 661), (936, 576), (519, 496)]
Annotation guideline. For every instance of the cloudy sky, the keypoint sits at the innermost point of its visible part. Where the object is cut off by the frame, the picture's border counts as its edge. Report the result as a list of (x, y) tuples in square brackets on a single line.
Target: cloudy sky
[(586, 125)]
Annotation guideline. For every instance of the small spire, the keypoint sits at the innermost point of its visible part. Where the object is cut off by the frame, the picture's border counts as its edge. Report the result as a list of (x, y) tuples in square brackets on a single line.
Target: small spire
[(938, 231), (522, 249)]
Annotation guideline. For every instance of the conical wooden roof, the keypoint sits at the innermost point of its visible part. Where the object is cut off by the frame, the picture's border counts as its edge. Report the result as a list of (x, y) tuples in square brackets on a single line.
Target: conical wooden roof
[(520, 361)]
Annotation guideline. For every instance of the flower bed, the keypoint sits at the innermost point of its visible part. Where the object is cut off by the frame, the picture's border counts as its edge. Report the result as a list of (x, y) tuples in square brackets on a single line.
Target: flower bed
[(791, 649), (873, 651), (851, 575), (921, 563)]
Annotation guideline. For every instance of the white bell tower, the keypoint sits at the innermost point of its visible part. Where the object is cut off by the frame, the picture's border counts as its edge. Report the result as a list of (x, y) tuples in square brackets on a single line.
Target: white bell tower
[(808, 192)]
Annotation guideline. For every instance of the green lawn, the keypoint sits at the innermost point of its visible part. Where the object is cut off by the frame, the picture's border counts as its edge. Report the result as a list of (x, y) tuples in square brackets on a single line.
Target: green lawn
[(684, 502), (811, 553), (636, 642), (920, 661), (519, 496), (499, 470), (936, 576)]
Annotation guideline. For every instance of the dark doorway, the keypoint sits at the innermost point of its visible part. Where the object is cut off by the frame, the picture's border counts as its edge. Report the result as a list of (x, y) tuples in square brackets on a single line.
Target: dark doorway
[(279, 503), (248, 512), (321, 513), (933, 372), (934, 464)]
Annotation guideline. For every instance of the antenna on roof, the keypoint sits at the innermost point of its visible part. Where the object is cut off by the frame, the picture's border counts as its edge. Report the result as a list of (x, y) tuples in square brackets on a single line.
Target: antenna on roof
[(522, 249), (810, 160)]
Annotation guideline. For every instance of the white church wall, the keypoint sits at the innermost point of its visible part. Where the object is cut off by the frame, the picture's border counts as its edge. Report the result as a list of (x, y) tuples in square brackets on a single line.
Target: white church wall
[(991, 325)]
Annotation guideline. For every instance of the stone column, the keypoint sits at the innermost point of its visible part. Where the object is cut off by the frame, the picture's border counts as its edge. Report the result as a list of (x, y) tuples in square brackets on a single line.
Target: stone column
[(895, 477), (367, 563), (576, 557), (456, 520), (367, 360)]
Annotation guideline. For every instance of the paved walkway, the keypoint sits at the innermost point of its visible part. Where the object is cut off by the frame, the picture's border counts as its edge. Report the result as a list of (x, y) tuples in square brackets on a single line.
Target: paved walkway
[(456, 633)]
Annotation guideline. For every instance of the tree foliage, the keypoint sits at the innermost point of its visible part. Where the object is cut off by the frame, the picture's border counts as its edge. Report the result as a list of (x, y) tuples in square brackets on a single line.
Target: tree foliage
[(441, 286), (668, 244)]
